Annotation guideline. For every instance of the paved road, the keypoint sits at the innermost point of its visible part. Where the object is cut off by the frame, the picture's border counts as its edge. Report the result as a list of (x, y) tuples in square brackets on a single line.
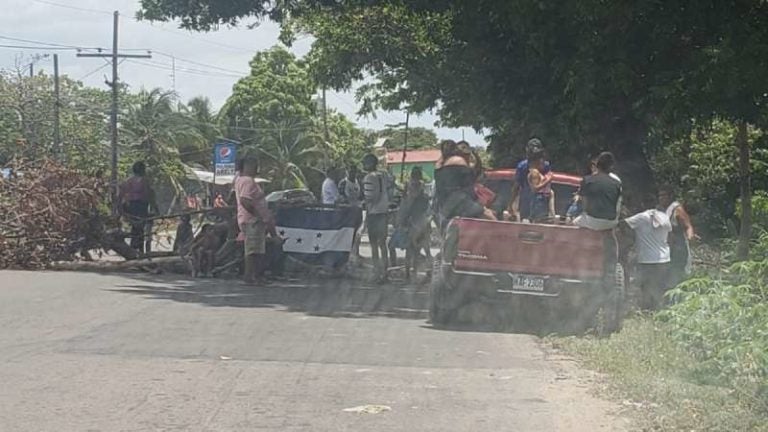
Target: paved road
[(86, 352)]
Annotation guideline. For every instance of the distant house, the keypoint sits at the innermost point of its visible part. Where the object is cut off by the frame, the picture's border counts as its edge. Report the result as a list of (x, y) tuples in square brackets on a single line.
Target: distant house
[(425, 159)]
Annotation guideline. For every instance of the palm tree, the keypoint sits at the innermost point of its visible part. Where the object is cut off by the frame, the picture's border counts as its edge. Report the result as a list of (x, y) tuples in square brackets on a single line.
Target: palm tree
[(154, 129), (290, 151)]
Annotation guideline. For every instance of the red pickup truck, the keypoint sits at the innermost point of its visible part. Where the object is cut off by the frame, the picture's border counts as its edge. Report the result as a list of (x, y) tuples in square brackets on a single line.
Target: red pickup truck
[(568, 272)]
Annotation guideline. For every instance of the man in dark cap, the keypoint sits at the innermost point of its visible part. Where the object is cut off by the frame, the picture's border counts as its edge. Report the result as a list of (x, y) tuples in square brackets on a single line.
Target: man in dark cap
[(520, 204)]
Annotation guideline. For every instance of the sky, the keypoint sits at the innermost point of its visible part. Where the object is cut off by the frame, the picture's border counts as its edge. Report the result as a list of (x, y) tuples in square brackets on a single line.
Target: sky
[(206, 64)]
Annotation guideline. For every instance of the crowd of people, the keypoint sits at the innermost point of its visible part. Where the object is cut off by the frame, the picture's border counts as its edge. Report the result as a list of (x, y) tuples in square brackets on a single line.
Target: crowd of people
[(661, 232)]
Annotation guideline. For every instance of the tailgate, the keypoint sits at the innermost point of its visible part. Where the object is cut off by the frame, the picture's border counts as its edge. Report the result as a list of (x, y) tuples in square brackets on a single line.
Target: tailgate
[(554, 250)]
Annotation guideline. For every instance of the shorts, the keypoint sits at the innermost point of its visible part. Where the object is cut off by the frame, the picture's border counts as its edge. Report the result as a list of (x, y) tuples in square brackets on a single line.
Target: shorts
[(377, 227), (255, 242), (539, 208)]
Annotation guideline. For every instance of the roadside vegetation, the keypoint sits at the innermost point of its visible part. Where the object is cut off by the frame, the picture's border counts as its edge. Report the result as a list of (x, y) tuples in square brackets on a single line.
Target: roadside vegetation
[(700, 364)]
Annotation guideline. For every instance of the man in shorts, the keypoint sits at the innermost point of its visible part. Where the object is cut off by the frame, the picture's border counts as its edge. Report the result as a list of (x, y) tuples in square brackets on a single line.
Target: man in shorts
[(377, 197), (253, 218)]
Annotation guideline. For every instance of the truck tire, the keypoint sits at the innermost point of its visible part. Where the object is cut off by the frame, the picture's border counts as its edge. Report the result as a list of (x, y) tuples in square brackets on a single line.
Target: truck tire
[(611, 314), (440, 311)]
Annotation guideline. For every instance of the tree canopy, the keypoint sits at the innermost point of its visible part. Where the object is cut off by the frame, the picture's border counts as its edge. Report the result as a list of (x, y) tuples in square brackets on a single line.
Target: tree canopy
[(418, 138), (584, 76), (275, 111)]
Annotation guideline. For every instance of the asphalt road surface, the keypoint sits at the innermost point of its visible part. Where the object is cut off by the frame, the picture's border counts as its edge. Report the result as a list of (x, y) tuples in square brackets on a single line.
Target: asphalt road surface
[(87, 352)]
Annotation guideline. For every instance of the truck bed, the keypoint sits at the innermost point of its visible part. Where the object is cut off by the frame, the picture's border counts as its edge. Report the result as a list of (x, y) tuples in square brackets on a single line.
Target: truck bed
[(553, 250)]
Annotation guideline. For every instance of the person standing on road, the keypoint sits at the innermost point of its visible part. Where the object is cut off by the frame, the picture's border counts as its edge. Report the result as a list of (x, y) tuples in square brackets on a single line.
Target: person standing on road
[(520, 202), (682, 234), (601, 196), (376, 191), (330, 190), (413, 219), (253, 218), (137, 201), (349, 188), (652, 228), (351, 192)]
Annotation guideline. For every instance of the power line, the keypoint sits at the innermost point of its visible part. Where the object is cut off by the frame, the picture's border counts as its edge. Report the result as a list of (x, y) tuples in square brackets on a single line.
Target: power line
[(38, 48), (92, 72), (167, 67), (210, 42), (240, 73), (48, 43), (82, 9), (136, 21)]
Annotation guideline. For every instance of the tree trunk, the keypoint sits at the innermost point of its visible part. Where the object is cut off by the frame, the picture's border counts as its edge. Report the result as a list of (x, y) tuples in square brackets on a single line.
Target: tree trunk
[(745, 186)]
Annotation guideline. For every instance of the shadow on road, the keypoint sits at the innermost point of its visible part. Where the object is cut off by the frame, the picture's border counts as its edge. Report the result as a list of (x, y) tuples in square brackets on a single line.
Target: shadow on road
[(341, 298)]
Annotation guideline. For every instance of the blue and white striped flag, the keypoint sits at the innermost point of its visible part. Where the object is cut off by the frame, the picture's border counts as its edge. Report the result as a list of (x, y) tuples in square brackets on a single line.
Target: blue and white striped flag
[(317, 235)]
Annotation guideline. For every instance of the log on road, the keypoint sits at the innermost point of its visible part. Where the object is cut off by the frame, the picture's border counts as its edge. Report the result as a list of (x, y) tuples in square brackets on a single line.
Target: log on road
[(172, 264)]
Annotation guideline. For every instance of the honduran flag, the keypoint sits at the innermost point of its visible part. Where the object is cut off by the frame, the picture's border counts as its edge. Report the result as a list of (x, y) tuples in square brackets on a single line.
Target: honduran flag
[(317, 235)]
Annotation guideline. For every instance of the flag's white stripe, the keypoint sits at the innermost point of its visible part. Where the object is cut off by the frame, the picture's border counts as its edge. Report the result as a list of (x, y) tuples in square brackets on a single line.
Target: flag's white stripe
[(329, 240)]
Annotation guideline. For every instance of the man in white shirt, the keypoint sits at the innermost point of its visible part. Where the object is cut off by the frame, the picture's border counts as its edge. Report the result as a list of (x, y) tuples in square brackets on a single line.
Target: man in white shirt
[(652, 228), (330, 190)]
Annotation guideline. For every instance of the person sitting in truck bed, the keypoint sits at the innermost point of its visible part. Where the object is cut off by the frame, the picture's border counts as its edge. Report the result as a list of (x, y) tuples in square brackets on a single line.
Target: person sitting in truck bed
[(601, 197)]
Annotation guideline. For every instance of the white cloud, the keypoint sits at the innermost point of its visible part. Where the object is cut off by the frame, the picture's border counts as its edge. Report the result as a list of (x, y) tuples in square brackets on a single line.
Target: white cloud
[(227, 49)]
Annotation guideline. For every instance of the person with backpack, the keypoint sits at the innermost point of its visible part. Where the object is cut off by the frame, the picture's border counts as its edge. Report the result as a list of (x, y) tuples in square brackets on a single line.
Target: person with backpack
[(376, 191)]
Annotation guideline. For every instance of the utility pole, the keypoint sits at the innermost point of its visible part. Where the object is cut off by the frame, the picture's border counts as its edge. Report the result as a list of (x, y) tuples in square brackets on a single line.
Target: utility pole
[(173, 73), (325, 116), (405, 147), (31, 70), (56, 107), (114, 84)]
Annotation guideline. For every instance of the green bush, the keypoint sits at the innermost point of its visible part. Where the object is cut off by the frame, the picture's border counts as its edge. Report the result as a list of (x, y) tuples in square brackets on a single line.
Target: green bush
[(723, 323)]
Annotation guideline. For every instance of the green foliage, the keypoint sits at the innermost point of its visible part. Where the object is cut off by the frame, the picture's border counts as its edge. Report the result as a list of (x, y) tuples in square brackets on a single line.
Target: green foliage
[(584, 76), (27, 113), (205, 120), (273, 110), (723, 323), (279, 89), (703, 166), (657, 380), (153, 129), (347, 143), (288, 154), (418, 138)]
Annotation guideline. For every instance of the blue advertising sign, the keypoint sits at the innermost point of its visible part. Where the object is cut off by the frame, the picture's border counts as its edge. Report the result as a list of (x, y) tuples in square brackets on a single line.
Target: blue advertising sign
[(224, 156)]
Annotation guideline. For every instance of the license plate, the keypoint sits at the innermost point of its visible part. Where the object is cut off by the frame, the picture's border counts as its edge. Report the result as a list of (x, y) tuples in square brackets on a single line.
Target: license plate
[(527, 283)]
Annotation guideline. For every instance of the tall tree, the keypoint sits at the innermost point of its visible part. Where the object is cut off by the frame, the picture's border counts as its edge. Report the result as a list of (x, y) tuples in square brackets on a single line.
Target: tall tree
[(582, 75), (153, 130), (418, 138), (290, 152), (278, 90), (205, 120), (27, 118)]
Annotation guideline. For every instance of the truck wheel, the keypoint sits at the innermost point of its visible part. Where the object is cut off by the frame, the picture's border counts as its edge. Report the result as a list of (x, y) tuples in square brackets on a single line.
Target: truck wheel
[(440, 311), (611, 314)]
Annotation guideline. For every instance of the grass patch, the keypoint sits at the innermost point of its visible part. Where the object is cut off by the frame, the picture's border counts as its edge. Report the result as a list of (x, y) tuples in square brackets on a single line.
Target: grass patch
[(659, 383)]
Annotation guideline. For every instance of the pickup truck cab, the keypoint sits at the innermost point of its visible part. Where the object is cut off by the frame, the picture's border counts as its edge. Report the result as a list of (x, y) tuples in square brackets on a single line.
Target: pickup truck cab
[(565, 271)]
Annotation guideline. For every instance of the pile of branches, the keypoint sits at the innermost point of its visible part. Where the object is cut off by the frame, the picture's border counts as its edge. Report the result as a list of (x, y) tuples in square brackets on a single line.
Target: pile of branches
[(46, 210)]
